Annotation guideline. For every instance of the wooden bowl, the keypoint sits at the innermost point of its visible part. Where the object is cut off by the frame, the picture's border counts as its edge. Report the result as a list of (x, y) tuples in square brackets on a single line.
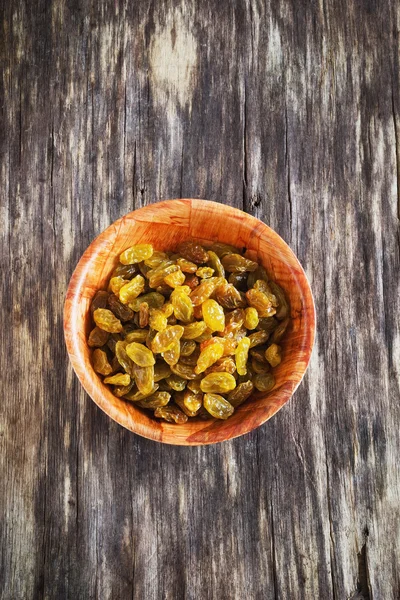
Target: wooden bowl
[(165, 225)]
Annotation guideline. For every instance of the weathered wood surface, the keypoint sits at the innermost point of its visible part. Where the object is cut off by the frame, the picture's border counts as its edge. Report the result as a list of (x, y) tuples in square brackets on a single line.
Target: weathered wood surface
[(289, 110)]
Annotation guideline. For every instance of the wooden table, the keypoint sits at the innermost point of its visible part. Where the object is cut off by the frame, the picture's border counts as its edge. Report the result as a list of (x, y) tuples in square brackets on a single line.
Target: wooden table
[(290, 111)]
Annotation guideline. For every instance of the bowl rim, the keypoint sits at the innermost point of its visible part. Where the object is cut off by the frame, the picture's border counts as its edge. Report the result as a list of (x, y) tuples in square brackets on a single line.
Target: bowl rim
[(90, 384)]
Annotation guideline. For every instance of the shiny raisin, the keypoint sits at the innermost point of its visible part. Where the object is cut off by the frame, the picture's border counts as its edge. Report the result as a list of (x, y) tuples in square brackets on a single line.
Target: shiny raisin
[(193, 252), (136, 254), (106, 320), (217, 406)]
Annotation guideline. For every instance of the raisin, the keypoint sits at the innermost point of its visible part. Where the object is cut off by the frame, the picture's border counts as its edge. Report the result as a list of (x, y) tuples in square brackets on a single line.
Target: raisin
[(186, 266), (171, 356), (187, 347), (155, 259), (125, 271), (190, 402), (140, 355), (193, 252), (239, 280), (175, 279), (203, 291), (240, 393), (233, 321), (132, 289), (99, 301), (161, 371), (264, 382), (185, 371), (98, 337), (221, 249), (156, 276), (217, 406), (251, 318), (176, 383), (136, 254), (158, 320), (123, 358), (165, 339), (273, 355), (100, 362), (122, 312), (153, 299), (156, 400), (172, 414), (216, 264), (257, 338), (194, 330), (182, 304), (213, 315), (137, 396), (235, 263), (122, 390), (205, 272), (283, 304), (223, 365), (209, 356), (116, 283), (118, 379), (229, 297), (144, 378), (106, 320), (192, 281), (241, 355), (138, 335), (219, 383), (260, 301), (194, 385)]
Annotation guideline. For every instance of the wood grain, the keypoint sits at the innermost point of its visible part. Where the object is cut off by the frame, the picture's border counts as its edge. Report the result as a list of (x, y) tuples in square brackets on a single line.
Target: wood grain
[(165, 225), (289, 110)]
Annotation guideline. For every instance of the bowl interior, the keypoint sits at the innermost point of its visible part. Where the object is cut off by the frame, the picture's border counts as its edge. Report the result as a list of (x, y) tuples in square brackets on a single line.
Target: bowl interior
[(165, 225)]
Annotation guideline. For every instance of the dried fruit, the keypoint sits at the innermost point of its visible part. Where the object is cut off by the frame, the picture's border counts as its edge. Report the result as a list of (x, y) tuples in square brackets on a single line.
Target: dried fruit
[(240, 393), (192, 251), (99, 301), (219, 383), (100, 362), (119, 379), (116, 283), (217, 406), (132, 289), (165, 339), (235, 263), (205, 272), (174, 279), (125, 271), (171, 356), (264, 382), (171, 414), (161, 371), (213, 315), (182, 305), (144, 378), (156, 259), (187, 347), (140, 355), (106, 320), (158, 319), (283, 304), (186, 266), (216, 264), (273, 355), (194, 330), (98, 337), (153, 299), (169, 325), (251, 318), (241, 355), (156, 400), (176, 383), (136, 254), (229, 297), (122, 312), (209, 356)]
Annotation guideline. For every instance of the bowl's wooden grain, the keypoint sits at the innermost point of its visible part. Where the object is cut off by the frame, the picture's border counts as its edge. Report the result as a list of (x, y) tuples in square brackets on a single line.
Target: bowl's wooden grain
[(164, 225)]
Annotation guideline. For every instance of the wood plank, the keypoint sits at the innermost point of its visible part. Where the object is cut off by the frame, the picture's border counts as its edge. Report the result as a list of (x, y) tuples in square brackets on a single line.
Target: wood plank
[(288, 110)]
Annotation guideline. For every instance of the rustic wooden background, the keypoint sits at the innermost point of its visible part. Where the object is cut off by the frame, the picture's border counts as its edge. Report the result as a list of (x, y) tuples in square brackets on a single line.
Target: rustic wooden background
[(291, 111)]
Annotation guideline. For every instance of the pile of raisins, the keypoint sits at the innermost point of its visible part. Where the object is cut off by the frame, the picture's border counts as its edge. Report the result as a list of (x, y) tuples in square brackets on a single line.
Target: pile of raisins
[(190, 333)]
